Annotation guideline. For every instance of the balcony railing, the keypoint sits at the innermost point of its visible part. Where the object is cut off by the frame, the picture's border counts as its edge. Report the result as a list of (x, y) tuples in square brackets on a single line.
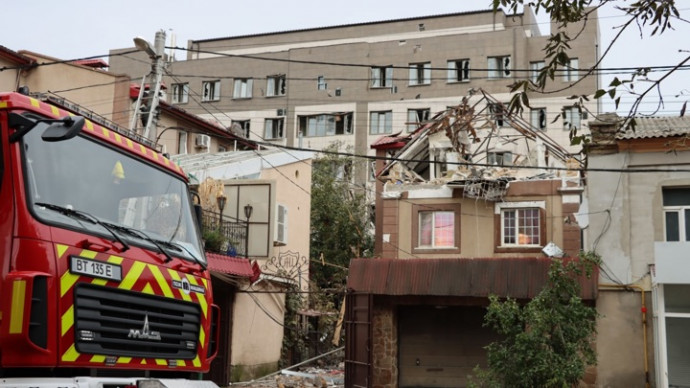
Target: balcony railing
[(224, 234)]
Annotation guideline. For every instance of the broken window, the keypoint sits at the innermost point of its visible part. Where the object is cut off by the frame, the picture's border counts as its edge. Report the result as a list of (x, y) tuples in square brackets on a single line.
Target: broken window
[(499, 67), (537, 118), (275, 85), (329, 124), (420, 73), (241, 127), (273, 128), (497, 111), (243, 88), (416, 118), (381, 122), (521, 227), (180, 93), (570, 70), (382, 77), (502, 158), (210, 90), (459, 70)]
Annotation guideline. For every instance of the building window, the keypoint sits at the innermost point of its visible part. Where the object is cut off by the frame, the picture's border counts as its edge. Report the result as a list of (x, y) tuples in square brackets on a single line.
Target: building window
[(436, 227), (537, 118), (182, 143), (674, 317), (497, 112), (417, 118), (499, 67), (180, 93), (321, 83), (210, 90), (420, 73), (535, 69), (381, 123), (273, 129), (499, 158), (570, 70), (382, 77), (676, 202), (326, 124), (243, 88), (459, 70), (275, 86), (521, 225), (281, 225), (572, 117), (240, 128)]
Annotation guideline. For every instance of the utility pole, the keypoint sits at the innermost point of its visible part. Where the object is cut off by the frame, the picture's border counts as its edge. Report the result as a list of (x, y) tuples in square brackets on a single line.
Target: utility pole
[(150, 101)]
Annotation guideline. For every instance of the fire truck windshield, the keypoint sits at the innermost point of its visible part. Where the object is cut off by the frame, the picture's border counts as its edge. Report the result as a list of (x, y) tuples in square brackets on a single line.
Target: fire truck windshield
[(90, 177)]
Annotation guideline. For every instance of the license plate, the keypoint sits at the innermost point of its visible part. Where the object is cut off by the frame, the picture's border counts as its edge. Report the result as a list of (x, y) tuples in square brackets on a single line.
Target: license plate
[(94, 268)]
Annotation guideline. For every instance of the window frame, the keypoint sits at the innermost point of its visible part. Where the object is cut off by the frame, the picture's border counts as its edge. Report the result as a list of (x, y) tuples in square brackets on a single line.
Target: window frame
[(415, 230), (458, 71), (381, 77), (683, 226), (280, 121), (214, 89), (422, 69), (246, 129), (425, 112), (535, 68), (498, 68), (342, 124), (242, 88), (180, 142), (539, 119), (571, 70), (568, 113), (281, 211), (500, 209), (180, 96), (276, 85), (387, 123)]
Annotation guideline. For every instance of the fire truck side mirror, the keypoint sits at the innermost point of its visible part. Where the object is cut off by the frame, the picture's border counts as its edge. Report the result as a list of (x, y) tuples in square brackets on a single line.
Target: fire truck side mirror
[(63, 129)]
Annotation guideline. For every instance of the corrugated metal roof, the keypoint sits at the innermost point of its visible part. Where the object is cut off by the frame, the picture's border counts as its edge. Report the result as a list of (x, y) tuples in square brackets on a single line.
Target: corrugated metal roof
[(657, 127), (519, 278), (229, 265)]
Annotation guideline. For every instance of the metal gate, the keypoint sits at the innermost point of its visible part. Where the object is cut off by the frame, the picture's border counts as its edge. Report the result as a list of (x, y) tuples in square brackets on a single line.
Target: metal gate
[(358, 333)]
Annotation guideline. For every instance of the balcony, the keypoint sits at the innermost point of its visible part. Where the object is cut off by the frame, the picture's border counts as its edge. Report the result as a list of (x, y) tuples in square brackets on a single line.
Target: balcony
[(223, 234)]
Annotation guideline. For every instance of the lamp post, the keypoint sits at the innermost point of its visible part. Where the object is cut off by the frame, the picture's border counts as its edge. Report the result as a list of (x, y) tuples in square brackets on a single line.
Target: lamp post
[(247, 213), (157, 64), (221, 199)]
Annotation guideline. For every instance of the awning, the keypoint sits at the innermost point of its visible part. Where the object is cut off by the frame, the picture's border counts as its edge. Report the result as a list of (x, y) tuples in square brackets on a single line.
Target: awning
[(519, 278), (229, 265)]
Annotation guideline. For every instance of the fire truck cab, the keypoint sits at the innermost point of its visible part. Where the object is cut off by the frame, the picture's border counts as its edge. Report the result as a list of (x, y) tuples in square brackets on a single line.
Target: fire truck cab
[(102, 271)]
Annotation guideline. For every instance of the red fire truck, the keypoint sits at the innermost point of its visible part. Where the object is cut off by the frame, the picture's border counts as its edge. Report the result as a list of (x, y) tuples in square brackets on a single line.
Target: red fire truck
[(104, 280)]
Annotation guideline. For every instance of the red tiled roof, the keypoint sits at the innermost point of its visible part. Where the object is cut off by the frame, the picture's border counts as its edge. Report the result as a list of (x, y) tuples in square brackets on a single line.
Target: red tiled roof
[(230, 265)]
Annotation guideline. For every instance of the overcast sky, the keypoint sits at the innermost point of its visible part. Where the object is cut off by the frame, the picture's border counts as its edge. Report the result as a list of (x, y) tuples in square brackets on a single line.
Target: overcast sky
[(70, 29)]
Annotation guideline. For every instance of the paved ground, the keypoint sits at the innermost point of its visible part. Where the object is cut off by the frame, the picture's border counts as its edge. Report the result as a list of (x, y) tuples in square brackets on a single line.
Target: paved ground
[(308, 377)]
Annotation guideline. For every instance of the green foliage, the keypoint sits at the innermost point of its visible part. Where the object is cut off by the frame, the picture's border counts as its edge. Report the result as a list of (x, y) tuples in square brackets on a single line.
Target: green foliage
[(547, 342), (294, 341), (645, 15), (214, 240), (338, 220)]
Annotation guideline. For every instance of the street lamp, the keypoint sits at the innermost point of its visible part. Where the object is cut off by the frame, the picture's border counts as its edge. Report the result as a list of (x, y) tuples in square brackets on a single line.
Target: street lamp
[(157, 64), (247, 213), (221, 199)]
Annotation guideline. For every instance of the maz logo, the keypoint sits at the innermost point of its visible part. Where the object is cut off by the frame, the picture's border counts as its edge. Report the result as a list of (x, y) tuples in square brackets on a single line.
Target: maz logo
[(145, 332)]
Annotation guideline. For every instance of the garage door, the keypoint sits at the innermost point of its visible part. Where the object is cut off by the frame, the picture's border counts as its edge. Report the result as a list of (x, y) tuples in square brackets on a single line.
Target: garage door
[(439, 346)]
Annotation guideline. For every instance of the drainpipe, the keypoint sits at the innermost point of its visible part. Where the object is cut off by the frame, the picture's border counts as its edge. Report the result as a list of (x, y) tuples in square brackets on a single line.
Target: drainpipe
[(643, 310)]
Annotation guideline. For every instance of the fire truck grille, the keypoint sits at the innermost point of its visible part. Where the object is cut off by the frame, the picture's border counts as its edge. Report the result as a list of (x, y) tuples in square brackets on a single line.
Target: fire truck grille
[(123, 323)]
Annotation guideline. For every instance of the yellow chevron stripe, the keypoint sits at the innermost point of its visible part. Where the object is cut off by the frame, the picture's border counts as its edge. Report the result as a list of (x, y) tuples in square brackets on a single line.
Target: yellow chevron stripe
[(71, 354), (99, 282), (34, 102), (161, 362), (201, 298), (17, 310), (202, 337), (98, 358), (203, 280), (61, 249), (67, 280), (196, 362), (161, 280), (55, 111), (142, 149), (148, 289), (115, 259), (3, 104), (88, 254), (130, 144), (143, 362), (89, 125), (67, 320), (124, 360), (105, 131), (118, 138), (132, 276)]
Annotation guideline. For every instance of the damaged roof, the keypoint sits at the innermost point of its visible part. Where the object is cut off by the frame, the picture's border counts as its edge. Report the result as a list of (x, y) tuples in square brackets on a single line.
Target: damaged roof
[(656, 127)]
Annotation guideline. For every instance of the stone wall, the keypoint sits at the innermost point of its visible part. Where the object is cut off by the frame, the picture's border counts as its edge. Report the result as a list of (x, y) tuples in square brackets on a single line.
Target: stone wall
[(384, 347)]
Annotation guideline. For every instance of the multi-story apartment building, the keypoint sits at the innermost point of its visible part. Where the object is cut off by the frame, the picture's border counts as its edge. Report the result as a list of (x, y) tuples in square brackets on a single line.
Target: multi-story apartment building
[(353, 83)]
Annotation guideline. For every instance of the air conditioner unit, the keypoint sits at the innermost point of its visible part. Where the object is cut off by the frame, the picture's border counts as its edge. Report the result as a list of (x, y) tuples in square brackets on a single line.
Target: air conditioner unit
[(280, 112), (202, 141)]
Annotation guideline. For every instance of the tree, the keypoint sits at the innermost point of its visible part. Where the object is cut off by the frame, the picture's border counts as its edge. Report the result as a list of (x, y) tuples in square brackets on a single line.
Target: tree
[(339, 230), (650, 17), (548, 341)]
